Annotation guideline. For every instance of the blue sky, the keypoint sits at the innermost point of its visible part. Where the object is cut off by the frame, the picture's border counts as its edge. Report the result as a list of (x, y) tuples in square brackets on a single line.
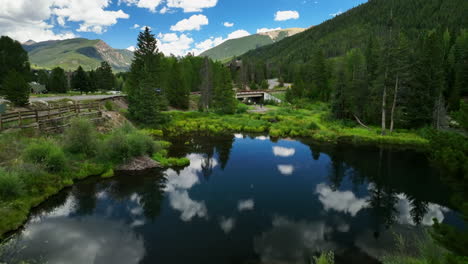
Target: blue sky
[(117, 22)]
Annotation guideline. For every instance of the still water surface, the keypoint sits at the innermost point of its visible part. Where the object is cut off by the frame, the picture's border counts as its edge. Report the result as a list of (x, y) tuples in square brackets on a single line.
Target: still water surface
[(242, 200)]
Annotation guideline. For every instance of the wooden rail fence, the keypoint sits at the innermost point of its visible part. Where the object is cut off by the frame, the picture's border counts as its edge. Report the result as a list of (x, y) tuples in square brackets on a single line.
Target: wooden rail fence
[(51, 118)]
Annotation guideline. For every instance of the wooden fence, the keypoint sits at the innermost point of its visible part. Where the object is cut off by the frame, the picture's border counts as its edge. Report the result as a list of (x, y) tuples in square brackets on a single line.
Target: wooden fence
[(52, 118)]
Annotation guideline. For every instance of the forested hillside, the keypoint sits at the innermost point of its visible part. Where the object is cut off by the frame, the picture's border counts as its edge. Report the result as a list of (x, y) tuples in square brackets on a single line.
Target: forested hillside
[(353, 28), (237, 47), (398, 63)]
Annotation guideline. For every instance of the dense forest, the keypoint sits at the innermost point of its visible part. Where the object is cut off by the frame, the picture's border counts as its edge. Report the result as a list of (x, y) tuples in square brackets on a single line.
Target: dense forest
[(392, 63)]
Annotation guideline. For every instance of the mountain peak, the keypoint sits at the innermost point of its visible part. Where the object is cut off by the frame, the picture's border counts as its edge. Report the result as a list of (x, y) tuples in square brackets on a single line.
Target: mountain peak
[(237, 47), (29, 42)]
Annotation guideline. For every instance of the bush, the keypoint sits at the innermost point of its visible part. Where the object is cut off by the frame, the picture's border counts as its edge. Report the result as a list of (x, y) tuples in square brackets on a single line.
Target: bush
[(47, 154), (109, 106), (313, 126), (11, 185), (242, 108), (325, 258), (81, 137), (35, 179), (126, 143)]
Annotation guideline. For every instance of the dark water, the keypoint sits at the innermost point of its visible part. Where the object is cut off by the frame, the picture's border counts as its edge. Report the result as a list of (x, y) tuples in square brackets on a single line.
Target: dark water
[(242, 200)]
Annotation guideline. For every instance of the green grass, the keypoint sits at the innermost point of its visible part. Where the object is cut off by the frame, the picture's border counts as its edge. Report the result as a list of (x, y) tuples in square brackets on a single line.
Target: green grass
[(313, 122)]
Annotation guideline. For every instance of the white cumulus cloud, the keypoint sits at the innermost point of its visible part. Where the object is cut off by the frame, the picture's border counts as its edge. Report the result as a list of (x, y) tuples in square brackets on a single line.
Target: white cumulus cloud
[(228, 24), (246, 205), (283, 152), (23, 20), (263, 30), (286, 169), (151, 5), (195, 22), (238, 34), (91, 14), (171, 43), (286, 15), (191, 5), (131, 48)]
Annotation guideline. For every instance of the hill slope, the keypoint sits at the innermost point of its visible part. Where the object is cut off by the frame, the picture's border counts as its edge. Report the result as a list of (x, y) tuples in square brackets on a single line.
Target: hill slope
[(237, 47), (353, 28), (69, 54)]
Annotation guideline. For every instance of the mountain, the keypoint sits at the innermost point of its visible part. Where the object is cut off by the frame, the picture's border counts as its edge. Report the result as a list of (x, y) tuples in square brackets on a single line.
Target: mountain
[(69, 54), (354, 28), (237, 47)]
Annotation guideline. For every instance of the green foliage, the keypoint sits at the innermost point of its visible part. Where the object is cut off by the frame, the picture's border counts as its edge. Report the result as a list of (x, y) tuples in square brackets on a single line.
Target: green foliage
[(325, 258), (46, 153), (109, 106), (80, 81), (81, 137), (462, 115), (13, 59), (57, 82), (16, 89), (11, 185), (126, 143), (144, 91), (105, 79)]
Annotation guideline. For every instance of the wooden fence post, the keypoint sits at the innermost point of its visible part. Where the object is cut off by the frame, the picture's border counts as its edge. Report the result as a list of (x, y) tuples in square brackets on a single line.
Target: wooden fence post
[(1, 122), (20, 120), (37, 115)]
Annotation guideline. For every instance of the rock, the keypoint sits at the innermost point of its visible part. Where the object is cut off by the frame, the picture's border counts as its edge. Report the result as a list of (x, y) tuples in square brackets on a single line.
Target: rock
[(138, 164)]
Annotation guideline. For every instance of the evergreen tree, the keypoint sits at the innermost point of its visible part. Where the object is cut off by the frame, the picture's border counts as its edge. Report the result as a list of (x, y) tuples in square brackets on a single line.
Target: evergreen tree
[(42, 77), (178, 93), (320, 77), (13, 58), (57, 82), (206, 86), (16, 89), (93, 81), (80, 81), (105, 77), (224, 98), (144, 91)]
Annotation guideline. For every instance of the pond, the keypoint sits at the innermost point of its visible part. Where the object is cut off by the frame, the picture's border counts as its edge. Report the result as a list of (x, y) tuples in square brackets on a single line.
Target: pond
[(243, 199)]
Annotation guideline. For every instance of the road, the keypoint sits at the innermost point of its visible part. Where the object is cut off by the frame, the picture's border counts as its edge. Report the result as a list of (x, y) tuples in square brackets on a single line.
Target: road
[(75, 98)]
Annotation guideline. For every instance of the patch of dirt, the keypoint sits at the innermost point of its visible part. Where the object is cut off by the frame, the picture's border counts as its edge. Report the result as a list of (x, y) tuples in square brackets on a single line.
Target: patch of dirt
[(138, 164)]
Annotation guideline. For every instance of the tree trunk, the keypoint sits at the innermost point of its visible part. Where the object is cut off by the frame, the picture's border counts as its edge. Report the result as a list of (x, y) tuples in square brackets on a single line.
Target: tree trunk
[(394, 104), (384, 105)]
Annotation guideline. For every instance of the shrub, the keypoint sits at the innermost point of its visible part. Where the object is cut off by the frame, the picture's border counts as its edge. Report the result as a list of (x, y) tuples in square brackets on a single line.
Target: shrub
[(126, 143), (35, 179), (109, 106), (325, 258), (81, 137), (313, 126), (47, 154), (242, 108), (11, 185)]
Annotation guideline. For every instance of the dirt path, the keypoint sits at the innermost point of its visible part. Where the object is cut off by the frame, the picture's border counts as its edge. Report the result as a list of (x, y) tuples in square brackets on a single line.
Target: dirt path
[(259, 109)]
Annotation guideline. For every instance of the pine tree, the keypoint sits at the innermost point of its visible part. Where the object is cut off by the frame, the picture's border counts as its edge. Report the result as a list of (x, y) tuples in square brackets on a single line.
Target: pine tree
[(178, 92), (224, 98), (57, 82), (105, 77), (16, 89), (13, 58), (206, 86), (80, 81), (143, 86), (320, 77)]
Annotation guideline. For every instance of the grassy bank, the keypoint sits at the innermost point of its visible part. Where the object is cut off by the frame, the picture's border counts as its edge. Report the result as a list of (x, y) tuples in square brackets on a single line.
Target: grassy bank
[(34, 168), (287, 122)]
